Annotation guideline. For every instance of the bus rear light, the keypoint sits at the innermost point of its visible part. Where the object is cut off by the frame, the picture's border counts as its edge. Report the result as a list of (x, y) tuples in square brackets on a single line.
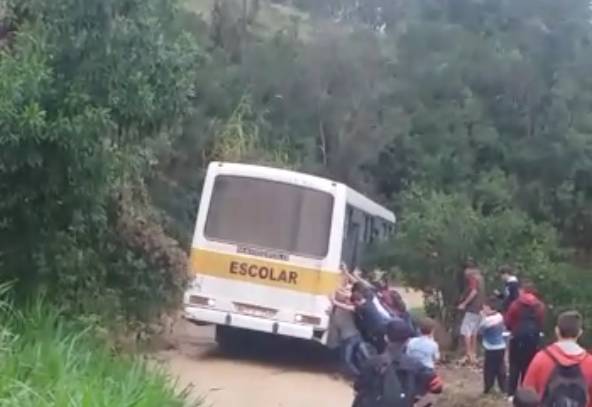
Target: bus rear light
[(203, 301), (194, 284), (307, 319)]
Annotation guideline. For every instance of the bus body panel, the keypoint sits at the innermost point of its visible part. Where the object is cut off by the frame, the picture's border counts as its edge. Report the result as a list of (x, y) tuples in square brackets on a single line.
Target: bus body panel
[(257, 292), (265, 289)]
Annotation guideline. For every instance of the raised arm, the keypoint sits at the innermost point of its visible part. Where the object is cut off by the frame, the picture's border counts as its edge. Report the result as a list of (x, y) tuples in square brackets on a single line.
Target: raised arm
[(341, 304)]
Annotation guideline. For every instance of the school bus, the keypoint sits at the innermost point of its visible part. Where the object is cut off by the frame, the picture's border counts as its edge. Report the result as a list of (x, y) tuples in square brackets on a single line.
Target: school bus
[(267, 249)]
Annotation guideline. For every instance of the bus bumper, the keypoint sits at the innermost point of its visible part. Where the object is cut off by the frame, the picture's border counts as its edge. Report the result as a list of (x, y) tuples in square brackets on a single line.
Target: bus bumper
[(212, 316)]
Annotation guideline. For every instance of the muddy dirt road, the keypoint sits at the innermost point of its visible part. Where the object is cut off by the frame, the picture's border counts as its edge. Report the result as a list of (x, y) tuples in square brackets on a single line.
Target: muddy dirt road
[(287, 376), (296, 375), (290, 375), (284, 374)]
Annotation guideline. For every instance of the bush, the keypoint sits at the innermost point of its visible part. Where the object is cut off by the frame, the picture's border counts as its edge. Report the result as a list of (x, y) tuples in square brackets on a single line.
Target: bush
[(47, 361), (439, 231), (89, 94)]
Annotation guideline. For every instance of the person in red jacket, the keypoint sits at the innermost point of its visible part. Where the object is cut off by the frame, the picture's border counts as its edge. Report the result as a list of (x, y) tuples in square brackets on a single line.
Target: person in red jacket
[(525, 320), (566, 353)]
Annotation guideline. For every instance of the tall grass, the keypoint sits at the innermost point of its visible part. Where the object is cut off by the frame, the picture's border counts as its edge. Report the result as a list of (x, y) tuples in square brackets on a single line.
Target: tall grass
[(47, 361)]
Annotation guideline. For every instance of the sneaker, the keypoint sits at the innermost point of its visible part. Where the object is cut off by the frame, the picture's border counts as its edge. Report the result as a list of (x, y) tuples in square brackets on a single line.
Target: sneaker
[(511, 399)]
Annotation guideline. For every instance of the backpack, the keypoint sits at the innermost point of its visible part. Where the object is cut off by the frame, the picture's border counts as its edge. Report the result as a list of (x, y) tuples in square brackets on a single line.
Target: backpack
[(566, 387), (396, 388), (528, 322), (363, 352), (389, 387)]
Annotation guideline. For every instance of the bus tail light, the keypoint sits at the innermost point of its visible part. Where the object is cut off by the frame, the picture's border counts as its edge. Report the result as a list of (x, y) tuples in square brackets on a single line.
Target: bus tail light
[(203, 301), (307, 319), (194, 284)]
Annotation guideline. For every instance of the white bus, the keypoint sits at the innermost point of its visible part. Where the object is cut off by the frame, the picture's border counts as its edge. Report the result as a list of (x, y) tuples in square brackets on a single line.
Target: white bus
[(267, 248)]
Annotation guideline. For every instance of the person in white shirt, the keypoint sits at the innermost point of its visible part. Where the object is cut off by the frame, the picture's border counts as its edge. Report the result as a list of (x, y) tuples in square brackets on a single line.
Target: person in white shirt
[(492, 336)]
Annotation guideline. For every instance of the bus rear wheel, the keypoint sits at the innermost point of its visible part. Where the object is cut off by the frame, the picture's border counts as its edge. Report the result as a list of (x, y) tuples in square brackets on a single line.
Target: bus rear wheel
[(228, 338)]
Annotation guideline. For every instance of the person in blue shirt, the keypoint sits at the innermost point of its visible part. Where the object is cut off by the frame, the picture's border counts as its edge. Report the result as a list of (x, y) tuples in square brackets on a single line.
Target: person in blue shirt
[(424, 348), (492, 338)]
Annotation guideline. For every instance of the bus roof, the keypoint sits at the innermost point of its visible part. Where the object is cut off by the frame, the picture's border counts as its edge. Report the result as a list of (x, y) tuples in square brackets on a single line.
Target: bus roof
[(353, 197), (360, 201)]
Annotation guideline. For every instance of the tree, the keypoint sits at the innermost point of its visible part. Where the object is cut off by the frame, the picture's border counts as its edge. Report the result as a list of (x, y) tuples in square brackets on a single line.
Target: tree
[(440, 231), (380, 15), (89, 92)]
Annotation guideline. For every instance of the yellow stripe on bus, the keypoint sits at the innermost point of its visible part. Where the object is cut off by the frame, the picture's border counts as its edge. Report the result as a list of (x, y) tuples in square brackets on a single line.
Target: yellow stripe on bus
[(269, 273)]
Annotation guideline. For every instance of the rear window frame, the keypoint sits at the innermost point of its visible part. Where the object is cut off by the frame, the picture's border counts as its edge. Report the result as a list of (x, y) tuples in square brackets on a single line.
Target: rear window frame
[(271, 249)]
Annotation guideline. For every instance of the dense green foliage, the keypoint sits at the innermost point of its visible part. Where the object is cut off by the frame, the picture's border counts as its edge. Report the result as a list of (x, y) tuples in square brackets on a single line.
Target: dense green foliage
[(89, 93), (441, 230), (471, 118)]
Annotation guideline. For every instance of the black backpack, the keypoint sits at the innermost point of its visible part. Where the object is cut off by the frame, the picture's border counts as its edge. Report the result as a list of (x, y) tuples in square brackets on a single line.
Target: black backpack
[(396, 388), (363, 352), (566, 387), (389, 387)]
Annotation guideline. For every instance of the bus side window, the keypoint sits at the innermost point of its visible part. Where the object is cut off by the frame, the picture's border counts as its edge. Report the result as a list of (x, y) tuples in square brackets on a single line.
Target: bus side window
[(367, 228), (376, 235), (350, 246), (351, 235), (389, 230), (355, 253), (364, 237), (374, 232), (347, 223)]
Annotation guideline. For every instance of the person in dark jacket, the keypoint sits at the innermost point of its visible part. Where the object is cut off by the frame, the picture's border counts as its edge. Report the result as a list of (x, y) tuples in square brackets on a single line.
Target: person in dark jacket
[(525, 320), (419, 380), (393, 302), (371, 321), (511, 288)]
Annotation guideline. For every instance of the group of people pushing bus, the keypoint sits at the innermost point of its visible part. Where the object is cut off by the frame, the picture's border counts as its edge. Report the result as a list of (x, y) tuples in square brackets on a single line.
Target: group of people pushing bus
[(372, 326), (376, 334), (361, 314)]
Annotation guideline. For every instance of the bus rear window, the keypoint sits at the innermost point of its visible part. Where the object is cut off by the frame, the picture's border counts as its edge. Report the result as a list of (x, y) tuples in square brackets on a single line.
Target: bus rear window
[(269, 214)]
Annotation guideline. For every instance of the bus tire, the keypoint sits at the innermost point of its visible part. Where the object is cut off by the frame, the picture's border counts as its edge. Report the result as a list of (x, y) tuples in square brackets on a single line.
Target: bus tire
[(227, 338)]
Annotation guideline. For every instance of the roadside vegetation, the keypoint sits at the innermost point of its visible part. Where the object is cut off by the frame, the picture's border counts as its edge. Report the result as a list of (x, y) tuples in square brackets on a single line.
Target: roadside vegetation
[(48, 361), (90, 91), (471, 119)]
